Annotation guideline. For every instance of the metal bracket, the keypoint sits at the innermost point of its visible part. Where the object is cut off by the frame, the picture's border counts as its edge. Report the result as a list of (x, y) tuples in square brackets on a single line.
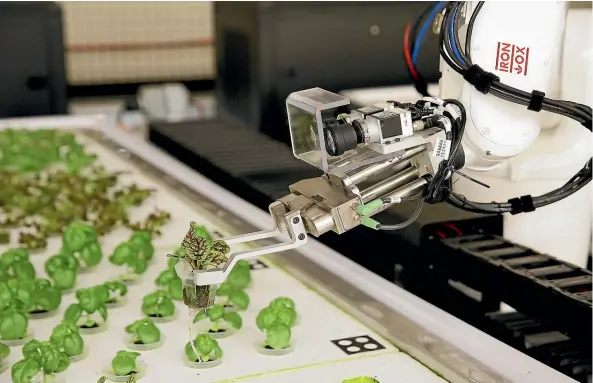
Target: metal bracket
[(296, 236)]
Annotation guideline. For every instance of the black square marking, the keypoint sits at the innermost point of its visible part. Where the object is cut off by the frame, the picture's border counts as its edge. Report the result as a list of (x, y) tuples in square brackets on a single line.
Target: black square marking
[(256, 264), (358, 344)]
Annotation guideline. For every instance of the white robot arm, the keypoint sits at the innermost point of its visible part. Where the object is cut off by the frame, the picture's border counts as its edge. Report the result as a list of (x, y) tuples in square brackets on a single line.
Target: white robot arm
[(383, 154)]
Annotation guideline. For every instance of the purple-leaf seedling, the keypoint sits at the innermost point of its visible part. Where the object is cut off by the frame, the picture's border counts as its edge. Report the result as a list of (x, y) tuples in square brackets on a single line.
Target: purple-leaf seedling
[(40, 358), (90, 313), (66, 338), (199, 253), (218, 321), (203, 352)]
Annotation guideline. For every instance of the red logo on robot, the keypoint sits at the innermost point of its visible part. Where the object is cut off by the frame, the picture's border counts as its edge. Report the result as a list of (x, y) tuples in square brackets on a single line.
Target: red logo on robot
[(511, 58)]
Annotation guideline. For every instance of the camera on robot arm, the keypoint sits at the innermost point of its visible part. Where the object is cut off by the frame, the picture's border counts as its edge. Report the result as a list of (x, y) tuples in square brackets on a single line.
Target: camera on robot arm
[(381, 142)]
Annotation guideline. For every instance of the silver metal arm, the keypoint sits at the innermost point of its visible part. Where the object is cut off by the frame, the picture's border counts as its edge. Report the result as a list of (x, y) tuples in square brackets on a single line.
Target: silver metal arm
[(381, 154), (289, 227)]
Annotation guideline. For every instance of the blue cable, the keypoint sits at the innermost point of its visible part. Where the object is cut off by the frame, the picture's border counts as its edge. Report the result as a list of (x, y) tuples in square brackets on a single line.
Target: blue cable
[(427, 22), (452, 39)]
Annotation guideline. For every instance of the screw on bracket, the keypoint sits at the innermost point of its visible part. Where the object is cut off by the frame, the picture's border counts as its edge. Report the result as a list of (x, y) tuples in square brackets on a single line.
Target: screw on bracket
[(295, 220), (301, 236)]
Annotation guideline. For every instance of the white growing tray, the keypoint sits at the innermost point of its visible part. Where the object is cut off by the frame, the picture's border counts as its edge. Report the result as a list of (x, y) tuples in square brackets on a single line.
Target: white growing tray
[(329, 343)]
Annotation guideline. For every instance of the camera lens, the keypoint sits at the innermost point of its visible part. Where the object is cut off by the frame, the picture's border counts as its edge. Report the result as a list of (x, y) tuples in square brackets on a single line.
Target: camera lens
[(339, 138)]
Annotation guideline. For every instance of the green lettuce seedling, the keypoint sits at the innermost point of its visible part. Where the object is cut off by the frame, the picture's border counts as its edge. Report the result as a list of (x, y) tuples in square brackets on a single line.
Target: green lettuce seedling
[(116, 290), (16, 265), (283, 301), (66, 338), (232, 288), (276, 322), (207, 349), (4, 353), (169, 281), (63, 270), (13, 320), (361, 379), (158, 305), (216, 315), (91, 302), (144, 331), (82, 241), (124, 363), (39, 357), (37, 295), (127, 253), (142, 240)]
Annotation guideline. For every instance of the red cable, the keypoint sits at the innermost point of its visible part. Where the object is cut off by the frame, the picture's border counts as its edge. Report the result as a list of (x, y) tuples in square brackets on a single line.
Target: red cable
[(407, 55), (454, 228), (440, 235)]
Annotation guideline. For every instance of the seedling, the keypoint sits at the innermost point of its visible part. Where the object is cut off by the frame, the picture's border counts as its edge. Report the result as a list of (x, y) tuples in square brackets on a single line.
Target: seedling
[(200, 253), (142, 240), (169, 281), (66, 338), (13, 325), (129, 254), (43, 297), (117, 293), (361, 379), (13, 320), (4, 237), (4, 353), (63, 270), (90, 311), (220, 321), (282, 301), (16, 264), (232, 288), (158, 305), (40, 358), (203, 350), (276, 321), (143, 332), (125, 364), (81, 241)]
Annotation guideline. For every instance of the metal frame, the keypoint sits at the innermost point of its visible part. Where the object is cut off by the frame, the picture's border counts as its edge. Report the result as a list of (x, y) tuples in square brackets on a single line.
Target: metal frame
[(449, 346)]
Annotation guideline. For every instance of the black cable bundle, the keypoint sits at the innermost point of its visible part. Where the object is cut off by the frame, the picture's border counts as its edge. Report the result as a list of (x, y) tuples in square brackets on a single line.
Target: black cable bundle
[(460, 60)]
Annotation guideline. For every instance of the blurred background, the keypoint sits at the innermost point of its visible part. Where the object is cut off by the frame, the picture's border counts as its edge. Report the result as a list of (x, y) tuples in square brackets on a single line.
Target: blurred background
[(89, 57)]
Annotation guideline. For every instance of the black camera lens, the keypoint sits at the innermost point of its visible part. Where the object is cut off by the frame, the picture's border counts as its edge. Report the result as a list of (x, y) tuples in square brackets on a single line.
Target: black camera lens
[(339, 138)]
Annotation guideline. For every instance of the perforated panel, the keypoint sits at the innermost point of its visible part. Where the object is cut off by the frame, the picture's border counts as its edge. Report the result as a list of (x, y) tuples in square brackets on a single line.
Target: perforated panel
[(118, 42)]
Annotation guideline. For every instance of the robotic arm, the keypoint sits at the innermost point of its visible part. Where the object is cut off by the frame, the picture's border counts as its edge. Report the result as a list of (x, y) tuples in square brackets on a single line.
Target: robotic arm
[(380, 155)]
